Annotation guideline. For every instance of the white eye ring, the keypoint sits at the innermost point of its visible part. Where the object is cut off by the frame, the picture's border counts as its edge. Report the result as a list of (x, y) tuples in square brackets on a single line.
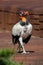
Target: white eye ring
[(20, 14)]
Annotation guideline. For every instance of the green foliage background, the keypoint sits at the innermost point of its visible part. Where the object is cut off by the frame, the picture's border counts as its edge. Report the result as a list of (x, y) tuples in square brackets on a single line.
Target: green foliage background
[(5, 59)]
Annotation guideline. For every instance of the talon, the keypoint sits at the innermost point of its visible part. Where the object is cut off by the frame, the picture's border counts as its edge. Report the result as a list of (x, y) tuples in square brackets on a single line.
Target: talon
[(23, 52)]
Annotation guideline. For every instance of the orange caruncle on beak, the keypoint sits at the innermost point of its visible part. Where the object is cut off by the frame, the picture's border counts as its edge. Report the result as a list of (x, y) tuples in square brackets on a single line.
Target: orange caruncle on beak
[(23, 19)]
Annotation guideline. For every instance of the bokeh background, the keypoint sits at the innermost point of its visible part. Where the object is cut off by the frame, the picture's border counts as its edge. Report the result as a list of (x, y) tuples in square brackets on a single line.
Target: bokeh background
[(8, 15)]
